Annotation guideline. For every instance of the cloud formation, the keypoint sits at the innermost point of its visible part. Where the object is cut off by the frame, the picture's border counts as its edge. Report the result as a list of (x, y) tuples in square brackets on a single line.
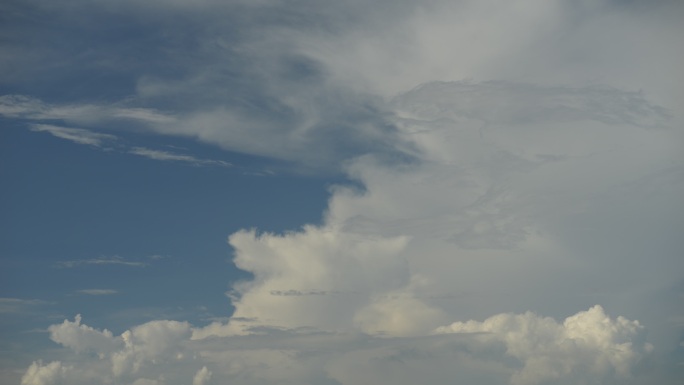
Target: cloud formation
[(98, 291), (588, 344), (550, 183), (76, 135), (174, 157)]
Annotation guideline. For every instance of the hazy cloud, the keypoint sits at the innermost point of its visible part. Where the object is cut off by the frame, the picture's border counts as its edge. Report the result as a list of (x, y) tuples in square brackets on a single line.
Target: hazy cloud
[(19, 305), (506, 348), (116, 260), (170, 156), (76, 135), (98, 291), (588, 344)]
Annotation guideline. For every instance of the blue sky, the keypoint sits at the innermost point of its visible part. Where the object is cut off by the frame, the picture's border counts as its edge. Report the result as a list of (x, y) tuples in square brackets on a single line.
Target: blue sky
[(304, 192)]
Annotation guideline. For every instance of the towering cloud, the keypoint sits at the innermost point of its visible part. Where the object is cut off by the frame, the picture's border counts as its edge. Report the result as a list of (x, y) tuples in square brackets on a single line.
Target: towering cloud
[(479, 220)]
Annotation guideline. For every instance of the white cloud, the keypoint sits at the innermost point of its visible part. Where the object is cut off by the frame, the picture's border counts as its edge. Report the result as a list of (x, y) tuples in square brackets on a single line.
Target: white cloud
[(202, 376), (82, 337), (170, 156), (76, 135), (116, 260), (152, 342)]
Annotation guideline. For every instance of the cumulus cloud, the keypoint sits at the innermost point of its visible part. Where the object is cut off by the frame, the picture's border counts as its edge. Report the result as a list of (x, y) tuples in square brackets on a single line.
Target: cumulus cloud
[(202, 376), (520, 349), (97, 291), (588, 344), (80, 337), (53, 373)]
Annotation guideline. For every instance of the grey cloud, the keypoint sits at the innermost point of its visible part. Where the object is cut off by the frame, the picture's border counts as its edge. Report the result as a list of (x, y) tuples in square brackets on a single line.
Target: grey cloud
[(293, 292), (501, 102)]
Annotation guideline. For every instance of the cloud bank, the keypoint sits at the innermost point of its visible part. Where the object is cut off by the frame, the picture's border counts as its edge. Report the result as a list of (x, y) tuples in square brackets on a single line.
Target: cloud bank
[(479, 215)]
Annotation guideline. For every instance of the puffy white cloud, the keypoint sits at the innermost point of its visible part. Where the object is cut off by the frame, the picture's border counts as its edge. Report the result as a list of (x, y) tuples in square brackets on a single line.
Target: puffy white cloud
[(202, 376), (53, 373), (82, 337), (152, 342), (519, 349), (589, 345)]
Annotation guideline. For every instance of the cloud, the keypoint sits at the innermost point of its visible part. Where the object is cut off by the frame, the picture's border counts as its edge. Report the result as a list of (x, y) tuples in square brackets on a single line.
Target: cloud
[(174, 157), (76, 135), (50, 374), (202, 376), (19, 305), (520, 348), (30, 108), (546, 204), (98, 291), (587, 344), (116, 260), (548, 185), (82, 337)]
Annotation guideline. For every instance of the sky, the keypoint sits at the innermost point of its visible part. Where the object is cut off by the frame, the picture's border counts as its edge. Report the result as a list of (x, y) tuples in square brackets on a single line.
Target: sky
[(204, 192)]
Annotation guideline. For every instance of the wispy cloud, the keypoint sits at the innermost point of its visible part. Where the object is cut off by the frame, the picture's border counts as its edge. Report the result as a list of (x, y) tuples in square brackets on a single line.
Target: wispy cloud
[(18, 305), (175, 157), (98, 139), (24, 107), (97, 291), (116, 260), (76, 135)]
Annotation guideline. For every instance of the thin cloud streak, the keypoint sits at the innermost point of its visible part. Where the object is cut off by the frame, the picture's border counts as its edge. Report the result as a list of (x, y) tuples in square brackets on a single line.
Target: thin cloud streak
[(175, 157), (98, 291), (76, 135), (19, 305), (100, 261)]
